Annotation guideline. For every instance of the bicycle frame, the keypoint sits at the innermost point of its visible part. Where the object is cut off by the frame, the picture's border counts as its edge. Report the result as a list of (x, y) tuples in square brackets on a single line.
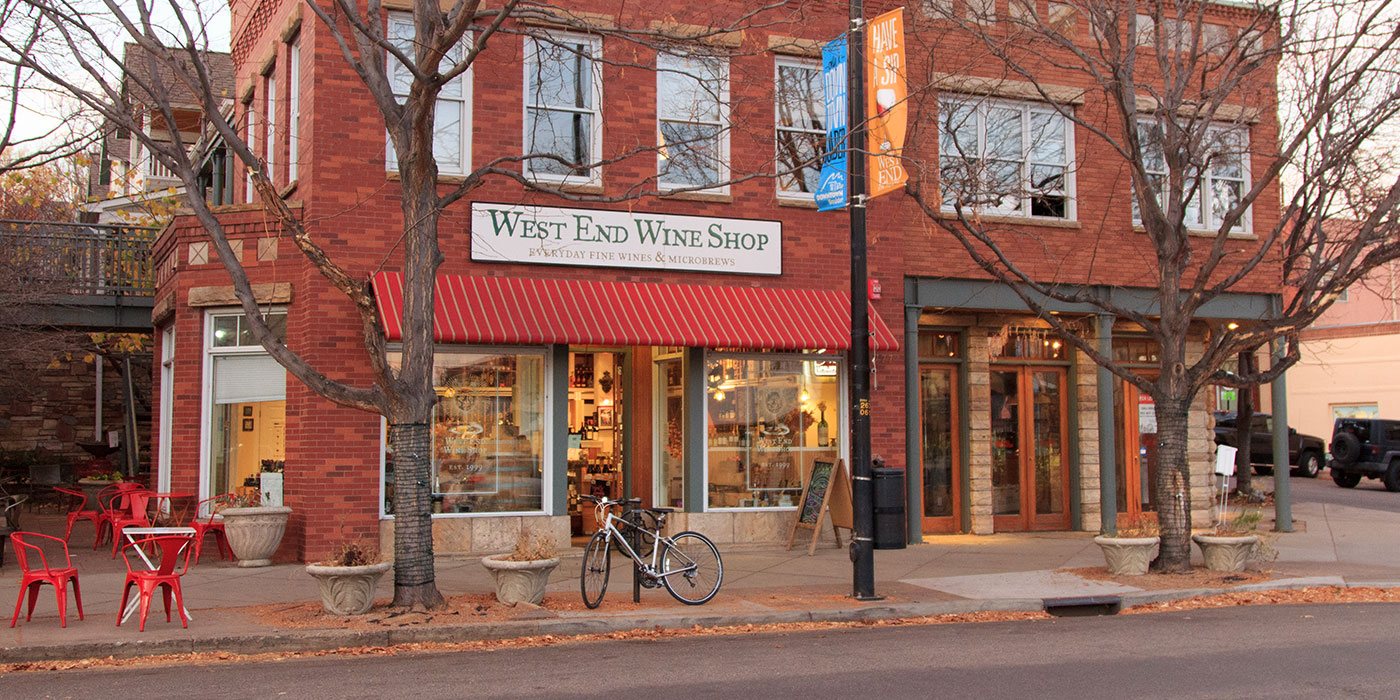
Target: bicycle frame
[(610, 521)]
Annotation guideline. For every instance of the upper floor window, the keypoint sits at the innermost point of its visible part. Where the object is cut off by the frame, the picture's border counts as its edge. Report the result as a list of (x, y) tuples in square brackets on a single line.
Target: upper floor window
[(563, 94), (1212, 190), (293, 106), (270, 139), (250, 130), (799, 126), (452, 118), (1006, 158), (692, 112), (232, 329)]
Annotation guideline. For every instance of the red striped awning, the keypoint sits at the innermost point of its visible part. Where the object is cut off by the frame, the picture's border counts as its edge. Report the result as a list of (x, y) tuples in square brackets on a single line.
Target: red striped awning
[(516, 311)]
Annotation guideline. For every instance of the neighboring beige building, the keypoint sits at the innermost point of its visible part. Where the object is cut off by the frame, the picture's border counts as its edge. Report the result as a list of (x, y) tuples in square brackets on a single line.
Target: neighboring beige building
[(1349, 363)]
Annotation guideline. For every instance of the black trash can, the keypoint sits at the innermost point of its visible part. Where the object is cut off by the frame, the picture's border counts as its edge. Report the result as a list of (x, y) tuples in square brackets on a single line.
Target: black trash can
[(889, 508)]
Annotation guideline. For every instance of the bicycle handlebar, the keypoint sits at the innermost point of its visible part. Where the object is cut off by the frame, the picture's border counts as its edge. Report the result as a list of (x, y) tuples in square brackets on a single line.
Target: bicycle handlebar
[(617, 501)]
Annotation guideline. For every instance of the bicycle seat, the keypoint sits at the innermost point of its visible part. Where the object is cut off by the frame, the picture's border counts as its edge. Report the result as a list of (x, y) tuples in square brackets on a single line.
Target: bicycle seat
[(662, 510)]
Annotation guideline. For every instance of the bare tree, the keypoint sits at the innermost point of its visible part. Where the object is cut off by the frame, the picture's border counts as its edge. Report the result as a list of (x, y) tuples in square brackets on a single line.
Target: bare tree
[(443, 44), (1167, 94)]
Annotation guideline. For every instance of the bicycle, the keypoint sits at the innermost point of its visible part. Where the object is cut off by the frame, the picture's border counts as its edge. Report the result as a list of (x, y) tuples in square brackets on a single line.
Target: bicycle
[(688, 564)]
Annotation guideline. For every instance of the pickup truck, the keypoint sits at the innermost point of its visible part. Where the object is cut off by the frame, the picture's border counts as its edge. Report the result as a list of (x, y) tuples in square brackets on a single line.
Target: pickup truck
[(1305, 452)]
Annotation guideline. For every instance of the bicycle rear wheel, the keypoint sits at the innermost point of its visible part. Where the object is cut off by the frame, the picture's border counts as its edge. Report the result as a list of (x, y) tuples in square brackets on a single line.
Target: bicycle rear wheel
[(597, 564), (693, 554)]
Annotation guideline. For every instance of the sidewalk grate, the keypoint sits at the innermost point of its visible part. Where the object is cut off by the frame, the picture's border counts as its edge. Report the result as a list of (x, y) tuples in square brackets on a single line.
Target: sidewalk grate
[(1083, 606)]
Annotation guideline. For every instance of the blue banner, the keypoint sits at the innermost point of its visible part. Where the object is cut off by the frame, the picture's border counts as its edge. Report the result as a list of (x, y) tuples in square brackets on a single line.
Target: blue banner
[(831, 190)]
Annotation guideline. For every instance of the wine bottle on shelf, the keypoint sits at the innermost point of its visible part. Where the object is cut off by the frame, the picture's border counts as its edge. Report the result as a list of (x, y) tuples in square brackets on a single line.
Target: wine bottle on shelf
[(823, 432)]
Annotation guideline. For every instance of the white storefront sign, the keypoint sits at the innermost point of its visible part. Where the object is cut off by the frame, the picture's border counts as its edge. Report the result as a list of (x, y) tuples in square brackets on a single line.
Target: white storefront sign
[(600, 238)]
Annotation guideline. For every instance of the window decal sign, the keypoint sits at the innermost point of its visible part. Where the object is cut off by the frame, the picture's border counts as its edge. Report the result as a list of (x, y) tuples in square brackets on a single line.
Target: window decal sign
[(831, 188)]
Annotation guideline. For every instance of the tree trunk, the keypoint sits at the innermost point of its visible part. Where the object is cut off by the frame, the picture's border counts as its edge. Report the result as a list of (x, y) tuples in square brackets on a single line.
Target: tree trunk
[(415, 581), (1173, 487), (1244, 430)]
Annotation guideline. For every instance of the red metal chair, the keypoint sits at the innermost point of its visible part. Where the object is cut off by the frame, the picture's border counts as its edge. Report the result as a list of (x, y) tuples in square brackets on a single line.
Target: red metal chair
[(206, 524), (77, 509), (136, 515), (172, 549), (110, 500), (34, 577)]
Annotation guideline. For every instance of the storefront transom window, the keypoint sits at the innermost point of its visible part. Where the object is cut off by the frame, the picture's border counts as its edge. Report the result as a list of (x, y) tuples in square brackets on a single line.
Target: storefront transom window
[(769, 418)]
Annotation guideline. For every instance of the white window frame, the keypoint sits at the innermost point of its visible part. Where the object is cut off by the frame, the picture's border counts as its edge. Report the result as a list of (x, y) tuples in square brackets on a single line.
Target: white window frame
[(463, 104), (981, 105), (1205, 192), (167, 410), (250, 115), (534, 46), (780, 62), (270, 138), (722, 168), (546, 453), (206, 387), (293, 106), (843, 428)]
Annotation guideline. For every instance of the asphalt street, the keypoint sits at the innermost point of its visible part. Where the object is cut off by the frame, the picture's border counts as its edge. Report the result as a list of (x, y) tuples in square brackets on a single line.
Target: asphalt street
[(1368, 494), (1283, 651)]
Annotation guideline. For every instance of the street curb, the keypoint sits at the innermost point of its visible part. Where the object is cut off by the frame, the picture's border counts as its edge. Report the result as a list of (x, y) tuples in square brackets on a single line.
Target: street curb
[(327, 640), (331, 639)]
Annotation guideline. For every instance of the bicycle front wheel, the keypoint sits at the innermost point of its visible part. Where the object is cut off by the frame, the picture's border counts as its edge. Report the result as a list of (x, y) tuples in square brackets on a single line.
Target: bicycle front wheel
[(597, 564), (691, 568)]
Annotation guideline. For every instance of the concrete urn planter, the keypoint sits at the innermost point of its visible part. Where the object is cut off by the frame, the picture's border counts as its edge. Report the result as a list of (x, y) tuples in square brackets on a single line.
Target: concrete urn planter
[(1229, 553), (255, 532), (1128, 556), (347, 590), (519, 581)]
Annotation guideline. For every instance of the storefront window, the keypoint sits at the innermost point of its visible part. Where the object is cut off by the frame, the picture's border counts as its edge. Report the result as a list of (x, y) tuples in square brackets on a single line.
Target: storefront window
[(1028, 344), (488, 433), (247, 421), (768, 419)]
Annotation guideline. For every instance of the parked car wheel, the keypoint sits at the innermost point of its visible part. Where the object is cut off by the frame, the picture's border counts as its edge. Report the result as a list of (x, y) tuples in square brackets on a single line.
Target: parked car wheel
[(1392, 477), (1309, 465), (1345, 480)]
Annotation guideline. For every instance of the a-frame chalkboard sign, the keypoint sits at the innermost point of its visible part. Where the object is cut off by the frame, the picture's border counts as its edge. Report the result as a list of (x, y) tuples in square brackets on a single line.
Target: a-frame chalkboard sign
[(828, 491)]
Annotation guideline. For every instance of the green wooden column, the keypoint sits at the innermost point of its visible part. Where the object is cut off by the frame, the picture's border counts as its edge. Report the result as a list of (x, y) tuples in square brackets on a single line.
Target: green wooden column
[(558, 467), (1283, 504), (913, 459), (693, 367)]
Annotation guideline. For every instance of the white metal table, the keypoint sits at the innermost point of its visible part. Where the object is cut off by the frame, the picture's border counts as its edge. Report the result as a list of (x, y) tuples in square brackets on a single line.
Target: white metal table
[(132, 534)]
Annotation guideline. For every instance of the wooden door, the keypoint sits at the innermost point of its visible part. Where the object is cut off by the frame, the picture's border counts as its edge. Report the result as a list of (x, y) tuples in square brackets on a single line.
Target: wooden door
[(1030, 474), (1136, 465), (939, 432)]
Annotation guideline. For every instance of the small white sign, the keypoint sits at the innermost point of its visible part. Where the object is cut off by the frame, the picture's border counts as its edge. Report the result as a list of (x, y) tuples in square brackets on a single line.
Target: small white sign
[(1225, 460), (601, 238), (1147, 415)]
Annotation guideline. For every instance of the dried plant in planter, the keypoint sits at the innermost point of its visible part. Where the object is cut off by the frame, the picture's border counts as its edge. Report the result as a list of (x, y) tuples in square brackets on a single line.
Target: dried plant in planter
[(533, 546), (1243, 525), (1140, 525), (353, 554)]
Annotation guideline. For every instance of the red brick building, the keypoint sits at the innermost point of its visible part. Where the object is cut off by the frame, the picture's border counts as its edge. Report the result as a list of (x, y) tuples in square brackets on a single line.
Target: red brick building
[(712, 383)]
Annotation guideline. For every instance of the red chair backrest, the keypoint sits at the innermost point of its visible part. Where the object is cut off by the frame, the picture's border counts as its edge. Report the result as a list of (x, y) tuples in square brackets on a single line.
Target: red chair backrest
[(172, 549), (23, 544), (76, 501), (205, 515), (139, 502)]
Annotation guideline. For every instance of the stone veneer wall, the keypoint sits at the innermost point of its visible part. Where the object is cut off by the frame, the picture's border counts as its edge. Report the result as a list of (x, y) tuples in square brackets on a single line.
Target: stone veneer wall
[(1086, 405), (54, 410), (979, 426)]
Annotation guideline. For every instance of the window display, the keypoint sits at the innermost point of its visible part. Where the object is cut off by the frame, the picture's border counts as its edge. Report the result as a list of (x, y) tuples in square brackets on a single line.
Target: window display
[(488, 433), (769, 419)]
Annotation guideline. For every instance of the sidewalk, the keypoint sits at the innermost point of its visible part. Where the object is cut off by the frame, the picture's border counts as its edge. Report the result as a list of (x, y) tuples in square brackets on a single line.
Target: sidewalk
[(1335, 545)]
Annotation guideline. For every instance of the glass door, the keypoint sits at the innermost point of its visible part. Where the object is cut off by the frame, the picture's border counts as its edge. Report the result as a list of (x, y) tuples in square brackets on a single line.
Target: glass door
[(1030, 481), (1135, 423), (669, 432), (939, 431)]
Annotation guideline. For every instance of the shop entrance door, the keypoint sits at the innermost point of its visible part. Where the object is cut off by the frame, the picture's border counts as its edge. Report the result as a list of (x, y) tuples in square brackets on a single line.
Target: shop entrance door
[(939, 434), (1135, 423), (1030, 478), (597, 443)]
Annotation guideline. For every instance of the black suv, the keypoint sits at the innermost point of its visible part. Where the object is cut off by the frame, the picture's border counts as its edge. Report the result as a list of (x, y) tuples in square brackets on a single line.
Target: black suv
[(1304, 451), (1367, 447)]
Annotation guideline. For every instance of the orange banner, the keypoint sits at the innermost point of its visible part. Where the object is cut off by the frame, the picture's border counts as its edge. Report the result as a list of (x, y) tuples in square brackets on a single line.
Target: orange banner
[(886, 107)]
